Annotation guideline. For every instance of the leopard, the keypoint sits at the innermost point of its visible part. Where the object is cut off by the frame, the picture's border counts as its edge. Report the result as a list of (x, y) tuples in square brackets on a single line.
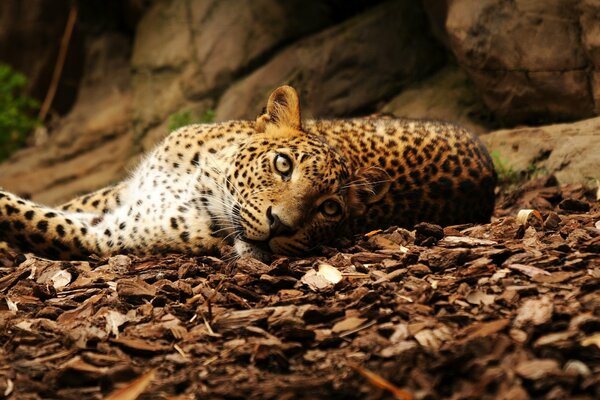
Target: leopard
[(276, 185)]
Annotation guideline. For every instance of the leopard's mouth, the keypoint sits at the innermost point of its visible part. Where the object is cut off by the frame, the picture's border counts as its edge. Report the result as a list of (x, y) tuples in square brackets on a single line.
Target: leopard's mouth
[(262, 245), (236, 221)]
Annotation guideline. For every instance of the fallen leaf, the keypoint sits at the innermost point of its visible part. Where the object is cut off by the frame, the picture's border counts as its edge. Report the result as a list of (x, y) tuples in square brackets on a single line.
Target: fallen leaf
[(528, 217), (465, 241), (77, 364), (133, 389), (477, 297), (329, 272), (535, 312), (382, 383), (141, 345), (482, 329), (324, 278), (114, 320), (9, 387), (537, 369), (576, 367), (528, 270), (348, 324), (433, 338), (591, 340), (61, 279), (12, 306)]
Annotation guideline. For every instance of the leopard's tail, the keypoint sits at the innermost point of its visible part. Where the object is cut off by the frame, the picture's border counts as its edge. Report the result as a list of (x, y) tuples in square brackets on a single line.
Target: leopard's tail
[(45, 231)]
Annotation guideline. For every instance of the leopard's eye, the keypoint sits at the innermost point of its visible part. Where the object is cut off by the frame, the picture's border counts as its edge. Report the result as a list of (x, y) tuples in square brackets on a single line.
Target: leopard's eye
[(283, 165), (331, 208)]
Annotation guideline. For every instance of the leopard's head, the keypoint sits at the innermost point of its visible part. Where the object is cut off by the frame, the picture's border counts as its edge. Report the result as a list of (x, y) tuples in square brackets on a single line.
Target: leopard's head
[(293, 190)]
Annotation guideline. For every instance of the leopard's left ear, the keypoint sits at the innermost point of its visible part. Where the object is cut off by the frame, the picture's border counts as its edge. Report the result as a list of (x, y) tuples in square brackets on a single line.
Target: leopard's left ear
[(283, 110), (368, 185)]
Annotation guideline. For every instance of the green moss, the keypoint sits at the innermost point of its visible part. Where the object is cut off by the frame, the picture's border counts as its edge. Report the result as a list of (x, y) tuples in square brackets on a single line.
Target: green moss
[(509, 177), (183, 118), (506, 174), (16, 110)]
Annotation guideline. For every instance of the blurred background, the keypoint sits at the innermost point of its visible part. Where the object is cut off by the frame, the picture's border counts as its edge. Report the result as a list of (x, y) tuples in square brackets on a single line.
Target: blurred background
[(87, 86)]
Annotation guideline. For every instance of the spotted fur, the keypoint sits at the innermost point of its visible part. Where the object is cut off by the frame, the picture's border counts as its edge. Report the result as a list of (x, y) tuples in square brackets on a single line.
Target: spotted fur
[(214, 184)]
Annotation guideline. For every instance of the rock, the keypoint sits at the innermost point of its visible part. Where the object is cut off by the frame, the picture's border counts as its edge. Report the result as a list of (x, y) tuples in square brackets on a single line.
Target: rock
[(187, 52), (532, 60), (340, 71), (448, 95), (252, 32), (570, 151)]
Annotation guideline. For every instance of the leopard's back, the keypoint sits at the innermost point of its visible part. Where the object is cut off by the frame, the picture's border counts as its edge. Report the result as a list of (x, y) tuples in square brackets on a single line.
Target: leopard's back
[(440, 172)]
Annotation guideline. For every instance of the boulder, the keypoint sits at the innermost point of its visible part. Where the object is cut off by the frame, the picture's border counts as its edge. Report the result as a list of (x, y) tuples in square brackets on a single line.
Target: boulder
[(533, 61), (346, 69), (570, 151), (188, 51), (447, 95)]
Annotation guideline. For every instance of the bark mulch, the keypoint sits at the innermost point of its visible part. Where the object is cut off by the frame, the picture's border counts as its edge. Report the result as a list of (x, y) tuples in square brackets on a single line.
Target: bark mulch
[(506, 310)]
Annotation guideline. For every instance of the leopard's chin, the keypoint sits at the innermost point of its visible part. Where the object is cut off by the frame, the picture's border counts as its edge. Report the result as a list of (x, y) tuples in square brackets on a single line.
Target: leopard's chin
[(254, 249)]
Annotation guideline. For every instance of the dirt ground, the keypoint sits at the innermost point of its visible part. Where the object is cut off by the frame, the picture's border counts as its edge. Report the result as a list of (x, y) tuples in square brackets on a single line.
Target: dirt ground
[(507, 310)]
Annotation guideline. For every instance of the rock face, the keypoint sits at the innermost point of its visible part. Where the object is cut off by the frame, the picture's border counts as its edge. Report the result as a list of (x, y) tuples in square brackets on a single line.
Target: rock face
[(345, 57), (531, 60), (570, 151), (92, 144), (341, 71), (447, 95)]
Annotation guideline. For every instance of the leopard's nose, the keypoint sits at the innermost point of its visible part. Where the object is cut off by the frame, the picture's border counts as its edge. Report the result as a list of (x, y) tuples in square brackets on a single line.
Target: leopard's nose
[(276, 227)]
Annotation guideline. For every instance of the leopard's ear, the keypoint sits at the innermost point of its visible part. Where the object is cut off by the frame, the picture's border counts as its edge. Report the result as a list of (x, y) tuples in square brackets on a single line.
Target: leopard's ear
[(368, 185), (283, 110)]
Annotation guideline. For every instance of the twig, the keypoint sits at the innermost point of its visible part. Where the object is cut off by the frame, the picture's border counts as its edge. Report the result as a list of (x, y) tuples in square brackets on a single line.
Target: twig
[(380, 382), (60, 62)]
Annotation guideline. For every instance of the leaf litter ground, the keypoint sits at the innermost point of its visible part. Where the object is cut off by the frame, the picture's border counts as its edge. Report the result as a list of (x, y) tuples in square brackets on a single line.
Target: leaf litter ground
[(509, 309)]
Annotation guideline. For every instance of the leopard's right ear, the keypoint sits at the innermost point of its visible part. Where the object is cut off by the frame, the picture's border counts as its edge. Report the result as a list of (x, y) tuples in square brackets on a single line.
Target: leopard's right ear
[(283, 110)]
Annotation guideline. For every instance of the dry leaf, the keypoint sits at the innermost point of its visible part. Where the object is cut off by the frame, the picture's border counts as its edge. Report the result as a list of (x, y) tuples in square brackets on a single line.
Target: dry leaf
[(528, 270), (465, 241), (381, 382), (477, 297), (141, 345), (133, 389), (324, 278), (61, 279), (348, 324), (114, 320), (527, 217), (12, 306), (482, 329), (591, 340), (537, 369), (9, 387), (329, 272), (535, 312)]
